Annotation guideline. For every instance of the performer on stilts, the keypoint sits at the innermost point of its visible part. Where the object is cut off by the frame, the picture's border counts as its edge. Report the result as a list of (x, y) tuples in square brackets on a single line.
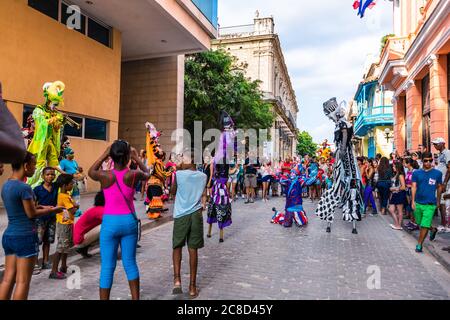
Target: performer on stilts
[(219, 209), (294, 211), (48, 122), (156, 183), (347, 186)]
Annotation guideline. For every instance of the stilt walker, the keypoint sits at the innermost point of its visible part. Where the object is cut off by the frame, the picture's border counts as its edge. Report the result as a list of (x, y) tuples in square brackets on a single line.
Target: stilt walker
[(219, 209), (48, 122), (347, 186), (155, 186)]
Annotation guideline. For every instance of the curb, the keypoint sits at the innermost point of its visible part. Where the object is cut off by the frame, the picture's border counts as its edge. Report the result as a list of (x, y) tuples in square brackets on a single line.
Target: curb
[(145, 226), (436, 253)]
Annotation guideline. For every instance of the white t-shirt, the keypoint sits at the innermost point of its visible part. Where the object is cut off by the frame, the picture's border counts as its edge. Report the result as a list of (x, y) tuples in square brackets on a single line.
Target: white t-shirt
[(443, 159)]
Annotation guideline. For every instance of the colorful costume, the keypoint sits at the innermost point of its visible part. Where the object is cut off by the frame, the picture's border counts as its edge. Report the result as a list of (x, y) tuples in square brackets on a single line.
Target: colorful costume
[(219, 209), (313, 175), (324, 151), (48, 121), (294, 202), (347, 183), (155, 185)]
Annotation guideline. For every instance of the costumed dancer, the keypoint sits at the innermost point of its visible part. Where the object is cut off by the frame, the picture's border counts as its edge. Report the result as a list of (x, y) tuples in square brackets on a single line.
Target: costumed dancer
[(219, 209), (48, 121), (347, 183), (156, 183), (294, 211)]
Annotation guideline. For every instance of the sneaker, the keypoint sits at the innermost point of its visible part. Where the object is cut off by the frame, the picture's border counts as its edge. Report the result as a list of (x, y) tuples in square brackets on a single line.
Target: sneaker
[(252, 200), (419, 248), (37, 270), (84, 252), (247, 201), (243, 197), (46, 266), (57, 276), (433, 234), (441, 229)]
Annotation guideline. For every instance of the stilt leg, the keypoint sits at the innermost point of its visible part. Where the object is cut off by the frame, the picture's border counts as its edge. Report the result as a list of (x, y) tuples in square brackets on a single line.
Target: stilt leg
[(354, 228)]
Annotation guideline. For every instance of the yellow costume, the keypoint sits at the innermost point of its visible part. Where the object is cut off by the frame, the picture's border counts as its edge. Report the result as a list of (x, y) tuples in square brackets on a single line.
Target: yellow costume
[(46, 143), (155, 187)]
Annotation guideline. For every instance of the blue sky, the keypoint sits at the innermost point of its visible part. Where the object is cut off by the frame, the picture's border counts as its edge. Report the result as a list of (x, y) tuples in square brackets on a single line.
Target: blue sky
[(326, 47)]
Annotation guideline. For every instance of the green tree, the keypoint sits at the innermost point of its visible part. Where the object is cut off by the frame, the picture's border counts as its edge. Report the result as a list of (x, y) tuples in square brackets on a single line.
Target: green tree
[(214, 81), (306, 145)]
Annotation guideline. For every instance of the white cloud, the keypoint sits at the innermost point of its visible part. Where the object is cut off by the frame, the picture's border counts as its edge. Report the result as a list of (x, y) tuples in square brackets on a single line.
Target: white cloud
[(325, 46)]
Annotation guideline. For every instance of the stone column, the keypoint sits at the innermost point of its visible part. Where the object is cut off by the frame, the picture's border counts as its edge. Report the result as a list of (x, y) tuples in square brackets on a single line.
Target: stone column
[(414, 115), (439, 97), (399, 124)]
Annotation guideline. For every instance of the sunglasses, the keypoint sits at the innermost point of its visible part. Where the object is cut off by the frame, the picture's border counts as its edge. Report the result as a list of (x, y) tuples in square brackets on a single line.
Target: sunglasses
[(428, 160)]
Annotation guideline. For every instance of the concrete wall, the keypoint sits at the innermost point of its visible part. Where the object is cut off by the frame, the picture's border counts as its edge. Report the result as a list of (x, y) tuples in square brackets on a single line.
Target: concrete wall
[(35, 49), (152, 90)]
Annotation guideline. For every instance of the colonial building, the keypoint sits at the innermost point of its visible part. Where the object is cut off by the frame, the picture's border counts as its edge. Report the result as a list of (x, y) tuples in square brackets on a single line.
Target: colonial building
[(122, 64), (374, 116), (259, 47), (415, 66)]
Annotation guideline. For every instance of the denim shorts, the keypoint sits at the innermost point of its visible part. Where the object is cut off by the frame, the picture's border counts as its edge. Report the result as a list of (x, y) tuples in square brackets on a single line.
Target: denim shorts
[(21, 246)]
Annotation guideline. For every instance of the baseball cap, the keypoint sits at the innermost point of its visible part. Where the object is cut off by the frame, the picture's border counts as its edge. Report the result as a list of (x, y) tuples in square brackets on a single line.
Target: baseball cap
[(68, 151), (438, 141)]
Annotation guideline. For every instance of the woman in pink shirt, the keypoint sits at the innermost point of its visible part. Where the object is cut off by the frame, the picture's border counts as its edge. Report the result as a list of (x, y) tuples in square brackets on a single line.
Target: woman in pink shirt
[(90, 220), (120, 223)]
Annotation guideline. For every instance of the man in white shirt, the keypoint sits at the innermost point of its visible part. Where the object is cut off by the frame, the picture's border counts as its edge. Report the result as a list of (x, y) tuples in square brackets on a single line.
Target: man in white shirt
[(443, 159)]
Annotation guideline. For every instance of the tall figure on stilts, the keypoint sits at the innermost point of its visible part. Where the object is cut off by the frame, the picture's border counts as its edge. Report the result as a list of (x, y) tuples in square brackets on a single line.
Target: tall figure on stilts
[(219, 209), (347, 183)]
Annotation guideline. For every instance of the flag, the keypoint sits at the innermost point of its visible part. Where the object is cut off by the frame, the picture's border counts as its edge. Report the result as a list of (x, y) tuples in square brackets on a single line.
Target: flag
[(362, 5)]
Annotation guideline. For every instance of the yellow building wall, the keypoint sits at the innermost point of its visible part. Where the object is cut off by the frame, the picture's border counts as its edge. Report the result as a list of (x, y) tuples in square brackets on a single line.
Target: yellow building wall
[(383, 147), (35, 49)]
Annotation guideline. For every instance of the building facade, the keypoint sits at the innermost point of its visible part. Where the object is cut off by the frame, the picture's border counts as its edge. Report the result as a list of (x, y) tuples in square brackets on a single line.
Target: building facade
[(259, 48), (374, 117), (415, 66), (122, 63)]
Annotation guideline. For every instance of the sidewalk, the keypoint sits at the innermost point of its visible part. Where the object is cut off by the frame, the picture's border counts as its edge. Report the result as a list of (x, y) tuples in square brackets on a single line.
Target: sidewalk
[(87, 201), (435, 248)]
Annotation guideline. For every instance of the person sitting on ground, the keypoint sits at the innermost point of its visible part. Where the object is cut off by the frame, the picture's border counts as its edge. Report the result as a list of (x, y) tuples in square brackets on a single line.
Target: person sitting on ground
[(87, 229)]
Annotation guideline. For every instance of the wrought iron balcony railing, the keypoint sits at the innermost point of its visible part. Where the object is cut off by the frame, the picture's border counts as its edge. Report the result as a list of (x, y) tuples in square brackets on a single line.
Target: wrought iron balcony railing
[(371, 117)]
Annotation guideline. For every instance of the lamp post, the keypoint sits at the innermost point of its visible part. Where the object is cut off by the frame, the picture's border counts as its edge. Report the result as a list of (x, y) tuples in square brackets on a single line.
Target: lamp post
[(388, 134)]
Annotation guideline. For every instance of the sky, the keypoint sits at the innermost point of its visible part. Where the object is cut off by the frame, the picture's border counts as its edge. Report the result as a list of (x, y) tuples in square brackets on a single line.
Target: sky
[(327, 48)]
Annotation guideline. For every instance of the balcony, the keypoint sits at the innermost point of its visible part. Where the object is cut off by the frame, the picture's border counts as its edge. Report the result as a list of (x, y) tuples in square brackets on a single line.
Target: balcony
[(369, 118), (209, 9), (392, 63)]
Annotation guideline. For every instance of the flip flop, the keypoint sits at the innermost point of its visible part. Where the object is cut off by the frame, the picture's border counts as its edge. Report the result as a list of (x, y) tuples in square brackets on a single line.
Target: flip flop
[(193, 296), (177, 290)]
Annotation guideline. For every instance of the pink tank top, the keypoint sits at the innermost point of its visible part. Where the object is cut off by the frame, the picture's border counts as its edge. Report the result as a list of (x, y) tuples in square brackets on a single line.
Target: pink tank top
[(114, 201)]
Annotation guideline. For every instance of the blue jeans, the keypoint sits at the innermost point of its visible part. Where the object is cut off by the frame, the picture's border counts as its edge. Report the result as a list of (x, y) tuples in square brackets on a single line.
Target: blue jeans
[(117, 230), (384, 187)]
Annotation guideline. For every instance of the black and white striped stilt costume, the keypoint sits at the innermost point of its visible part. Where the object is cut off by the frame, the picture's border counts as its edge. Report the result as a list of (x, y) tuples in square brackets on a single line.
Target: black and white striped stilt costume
[(345, 171)]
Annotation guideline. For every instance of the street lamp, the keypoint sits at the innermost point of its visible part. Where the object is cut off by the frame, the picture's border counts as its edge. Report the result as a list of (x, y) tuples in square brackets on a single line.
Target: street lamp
[(388, 135)]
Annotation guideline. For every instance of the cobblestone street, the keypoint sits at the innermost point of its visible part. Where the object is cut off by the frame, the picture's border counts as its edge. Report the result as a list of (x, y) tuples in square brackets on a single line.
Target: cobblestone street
[(263, 261)]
